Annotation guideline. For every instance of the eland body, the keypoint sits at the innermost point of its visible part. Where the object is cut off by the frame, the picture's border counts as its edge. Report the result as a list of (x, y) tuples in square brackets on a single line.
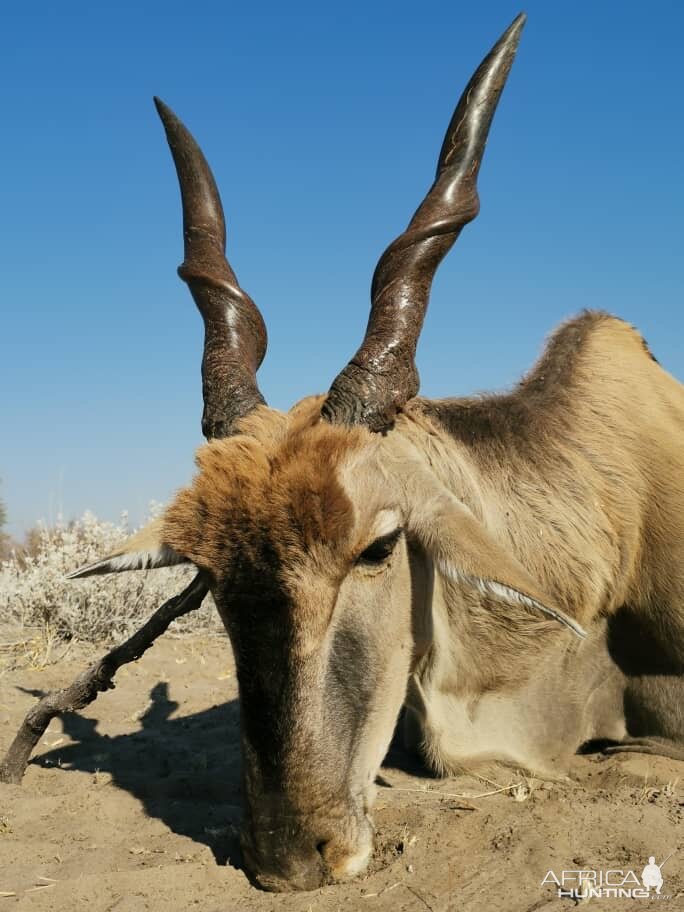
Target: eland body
[(509, 569)]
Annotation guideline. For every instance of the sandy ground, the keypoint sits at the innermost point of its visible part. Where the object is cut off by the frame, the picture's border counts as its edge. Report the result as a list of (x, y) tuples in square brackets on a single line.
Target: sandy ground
[(133, 806)]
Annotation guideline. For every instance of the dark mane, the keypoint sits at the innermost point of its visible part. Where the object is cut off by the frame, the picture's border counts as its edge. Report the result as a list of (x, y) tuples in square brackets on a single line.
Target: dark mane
[(533, 407)]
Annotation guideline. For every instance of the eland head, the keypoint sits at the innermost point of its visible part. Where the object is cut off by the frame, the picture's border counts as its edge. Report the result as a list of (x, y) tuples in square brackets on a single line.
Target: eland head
[(319, 531)]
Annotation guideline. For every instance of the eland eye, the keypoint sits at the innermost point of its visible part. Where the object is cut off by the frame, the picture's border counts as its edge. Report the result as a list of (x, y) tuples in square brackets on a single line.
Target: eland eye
[(380, 550)]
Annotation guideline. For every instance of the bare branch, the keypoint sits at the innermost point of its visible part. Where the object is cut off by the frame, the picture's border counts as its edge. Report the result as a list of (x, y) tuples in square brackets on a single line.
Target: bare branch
[(95, 679)]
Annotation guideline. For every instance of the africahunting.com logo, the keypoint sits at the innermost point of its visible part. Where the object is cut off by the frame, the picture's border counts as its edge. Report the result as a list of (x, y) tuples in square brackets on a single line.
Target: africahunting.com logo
[(614, 883)]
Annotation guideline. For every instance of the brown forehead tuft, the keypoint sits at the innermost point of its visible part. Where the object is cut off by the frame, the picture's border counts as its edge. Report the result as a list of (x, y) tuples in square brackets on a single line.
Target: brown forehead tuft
[(270, 495)]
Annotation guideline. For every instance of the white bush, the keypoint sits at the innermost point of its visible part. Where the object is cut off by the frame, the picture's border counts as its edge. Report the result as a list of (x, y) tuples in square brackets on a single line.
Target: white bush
[(35, 593)]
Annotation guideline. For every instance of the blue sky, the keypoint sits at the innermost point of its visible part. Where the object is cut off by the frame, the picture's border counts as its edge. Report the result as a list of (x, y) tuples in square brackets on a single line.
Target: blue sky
[(322, 123)]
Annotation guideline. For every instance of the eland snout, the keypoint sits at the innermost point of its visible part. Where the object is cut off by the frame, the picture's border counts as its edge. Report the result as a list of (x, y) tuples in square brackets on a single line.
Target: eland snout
[(287, 851)]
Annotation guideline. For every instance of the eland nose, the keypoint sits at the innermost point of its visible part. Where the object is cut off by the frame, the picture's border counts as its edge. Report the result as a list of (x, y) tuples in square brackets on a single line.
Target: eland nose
[(288, 853), (281, 860)]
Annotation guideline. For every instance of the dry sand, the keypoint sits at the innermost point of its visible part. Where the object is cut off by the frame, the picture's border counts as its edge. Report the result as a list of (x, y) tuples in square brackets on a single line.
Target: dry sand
[(133, 806)]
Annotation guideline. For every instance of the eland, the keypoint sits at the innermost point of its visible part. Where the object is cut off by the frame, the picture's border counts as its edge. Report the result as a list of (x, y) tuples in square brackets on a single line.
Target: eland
[(505, 574)]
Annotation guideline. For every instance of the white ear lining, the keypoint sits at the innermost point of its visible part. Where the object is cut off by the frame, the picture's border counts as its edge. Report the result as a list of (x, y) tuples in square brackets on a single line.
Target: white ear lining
[(131, 560), (508, 594)]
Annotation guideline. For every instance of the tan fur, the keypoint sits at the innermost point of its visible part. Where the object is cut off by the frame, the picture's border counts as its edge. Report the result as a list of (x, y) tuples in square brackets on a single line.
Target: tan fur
[(579, 472), (563, 499), (581, 467), (276, 478)]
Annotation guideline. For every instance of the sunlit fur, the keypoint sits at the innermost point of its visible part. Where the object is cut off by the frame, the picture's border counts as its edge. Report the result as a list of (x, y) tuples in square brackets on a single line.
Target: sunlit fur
[(276, 478), (566, 493)]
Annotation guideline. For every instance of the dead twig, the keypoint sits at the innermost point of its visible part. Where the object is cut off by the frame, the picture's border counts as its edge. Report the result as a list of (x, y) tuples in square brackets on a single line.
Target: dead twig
[(437, 793), (95, 679), (420, 897), (463, 803)]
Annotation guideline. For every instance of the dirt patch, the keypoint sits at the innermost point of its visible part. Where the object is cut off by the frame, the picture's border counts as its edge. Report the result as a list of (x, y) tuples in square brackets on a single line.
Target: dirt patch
[(134, 805)]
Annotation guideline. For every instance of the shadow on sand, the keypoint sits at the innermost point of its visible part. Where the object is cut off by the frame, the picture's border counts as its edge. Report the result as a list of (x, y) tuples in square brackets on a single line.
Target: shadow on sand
[(185, 771)]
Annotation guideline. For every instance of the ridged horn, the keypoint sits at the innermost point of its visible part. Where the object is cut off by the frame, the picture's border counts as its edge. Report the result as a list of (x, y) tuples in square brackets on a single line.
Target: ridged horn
[(234, 330), (382, 376)]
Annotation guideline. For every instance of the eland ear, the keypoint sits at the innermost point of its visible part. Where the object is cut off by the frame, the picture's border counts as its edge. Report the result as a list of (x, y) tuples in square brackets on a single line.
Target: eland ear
[(143, 551), (465, 552)]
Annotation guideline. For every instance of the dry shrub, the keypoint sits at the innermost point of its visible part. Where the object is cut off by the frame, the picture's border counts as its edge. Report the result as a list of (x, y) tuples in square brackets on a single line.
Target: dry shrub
[(7, 547), (35, 594)]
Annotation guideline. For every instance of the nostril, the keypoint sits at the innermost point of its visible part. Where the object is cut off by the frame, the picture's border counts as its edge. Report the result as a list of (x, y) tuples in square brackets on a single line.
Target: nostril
[(320, 846)]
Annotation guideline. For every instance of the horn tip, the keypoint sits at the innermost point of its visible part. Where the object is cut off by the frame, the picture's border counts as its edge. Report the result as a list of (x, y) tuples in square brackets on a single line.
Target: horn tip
[(509, 40), (512, 34), (165, 113)]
